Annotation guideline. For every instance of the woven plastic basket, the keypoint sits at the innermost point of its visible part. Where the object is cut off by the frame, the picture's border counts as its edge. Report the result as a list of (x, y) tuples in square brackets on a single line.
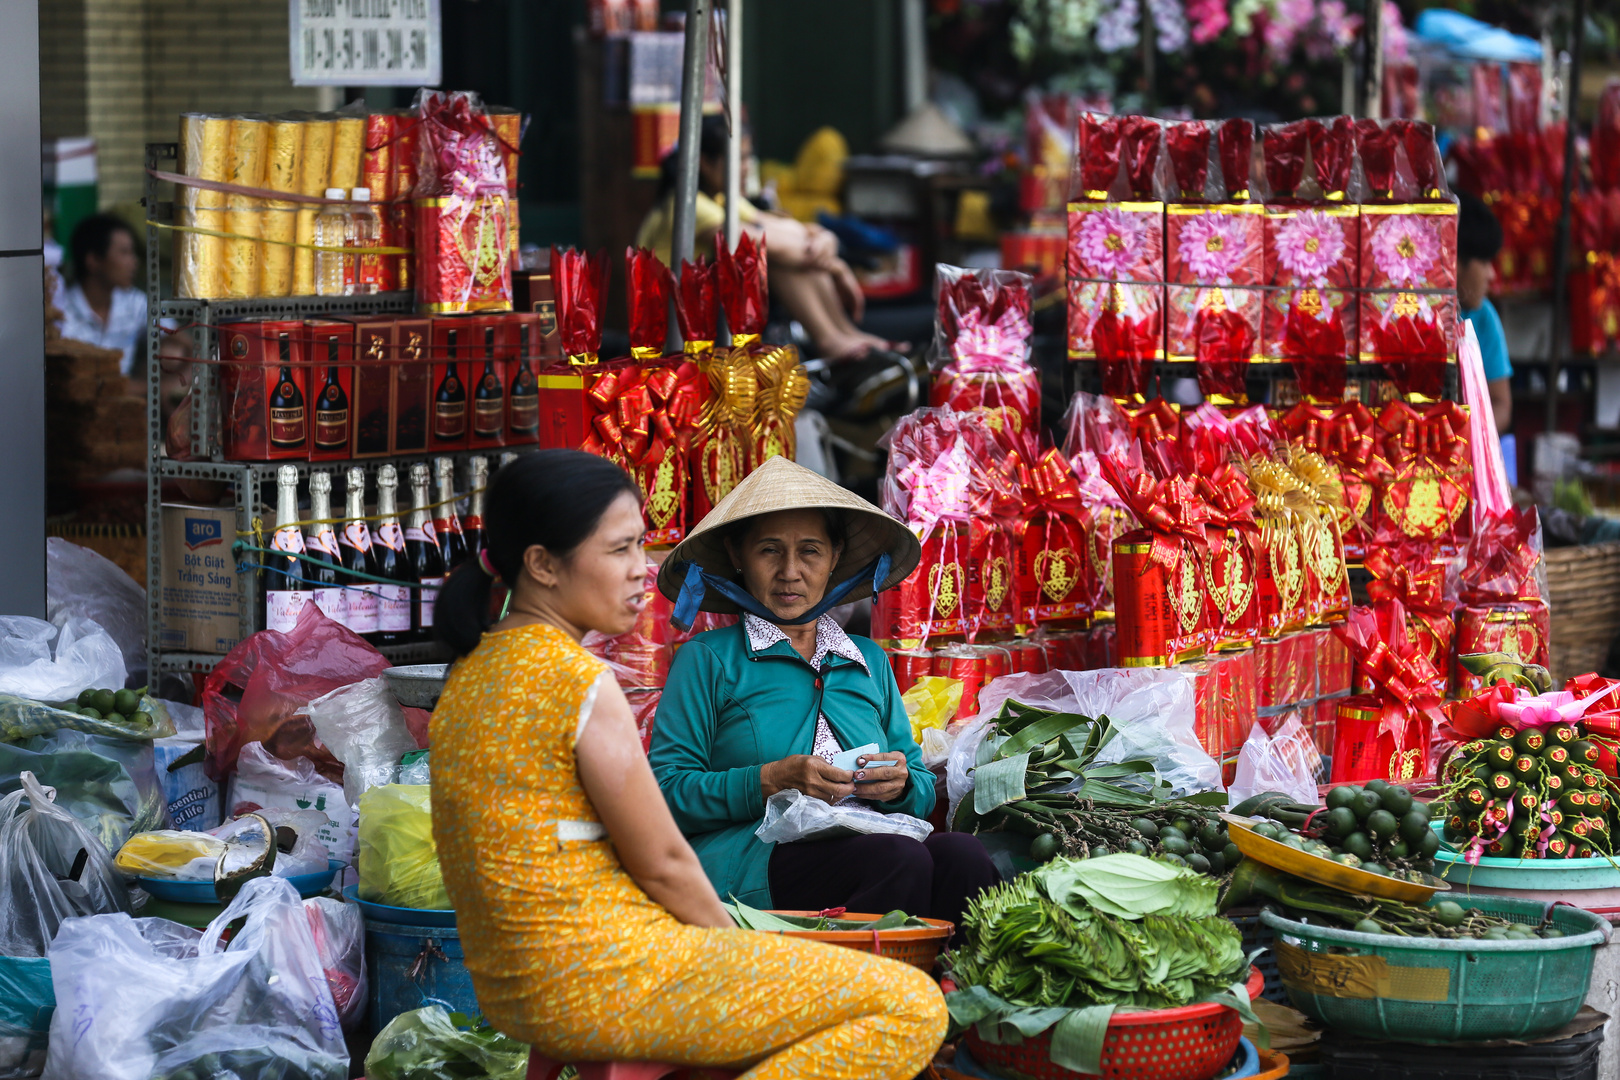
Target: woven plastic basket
[(918, 946), (1189, 1043), (1583, 586), (1430, 990)]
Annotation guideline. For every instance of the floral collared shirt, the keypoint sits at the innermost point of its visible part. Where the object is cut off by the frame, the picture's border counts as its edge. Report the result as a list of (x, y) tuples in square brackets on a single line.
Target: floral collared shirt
[(830, 638)]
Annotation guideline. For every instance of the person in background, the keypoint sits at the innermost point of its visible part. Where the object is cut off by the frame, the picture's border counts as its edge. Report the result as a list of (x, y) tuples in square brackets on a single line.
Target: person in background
[(803, 268), (1479, 238), (102, 306)]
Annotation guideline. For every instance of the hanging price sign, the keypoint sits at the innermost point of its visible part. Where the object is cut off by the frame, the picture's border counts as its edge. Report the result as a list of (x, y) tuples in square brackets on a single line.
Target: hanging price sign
[(364, 42)]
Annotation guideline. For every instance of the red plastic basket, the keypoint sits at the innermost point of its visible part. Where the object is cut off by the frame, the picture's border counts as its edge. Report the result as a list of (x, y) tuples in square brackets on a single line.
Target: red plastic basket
[(1189, 1043)]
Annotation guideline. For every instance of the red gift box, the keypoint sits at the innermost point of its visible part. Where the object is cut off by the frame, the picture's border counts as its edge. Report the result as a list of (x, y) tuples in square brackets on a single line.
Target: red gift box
[(393, 387), (1115, 313), (489, 367), (264, 392), (1363, 750), (1385, 733), (1055, 565), (1405, 572), (463, 258), (1285, 670), (330, 348), (1345, 438), (1520, 629), (1312, 256), (451, 352), (1413, 335), (932, 602), (1425, 497)]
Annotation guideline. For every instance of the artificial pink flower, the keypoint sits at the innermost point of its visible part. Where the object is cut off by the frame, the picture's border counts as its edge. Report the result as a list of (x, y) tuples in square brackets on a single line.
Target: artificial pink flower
[(1404, 248), (1309, 244), (1212, 247), (1110, 241), (1208, 19)]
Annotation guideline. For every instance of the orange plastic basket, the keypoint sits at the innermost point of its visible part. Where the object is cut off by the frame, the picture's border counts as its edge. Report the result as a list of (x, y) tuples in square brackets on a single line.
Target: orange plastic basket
[(918, 946), (1189, 1043)]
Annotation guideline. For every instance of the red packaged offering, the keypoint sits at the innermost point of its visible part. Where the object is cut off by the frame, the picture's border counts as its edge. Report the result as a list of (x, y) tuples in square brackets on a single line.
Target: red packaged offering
[(579, 284), (1521, 630), (1055, 564), (983, 330), (264, 392), (1345, 438), (780, 384), (1504, 558), (1385, 734), (463, 260), (1430, 473), (450, 354), (378, 175), (1406, 572), (1116, 304), (329, 345)]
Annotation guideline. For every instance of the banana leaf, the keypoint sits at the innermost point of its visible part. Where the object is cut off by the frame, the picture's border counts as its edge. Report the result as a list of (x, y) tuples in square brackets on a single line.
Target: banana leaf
[(999, 783)]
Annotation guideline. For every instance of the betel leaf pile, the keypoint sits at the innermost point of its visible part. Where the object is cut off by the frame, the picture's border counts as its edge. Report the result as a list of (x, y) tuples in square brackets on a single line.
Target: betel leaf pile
[(1038, 773), (1066, 944)]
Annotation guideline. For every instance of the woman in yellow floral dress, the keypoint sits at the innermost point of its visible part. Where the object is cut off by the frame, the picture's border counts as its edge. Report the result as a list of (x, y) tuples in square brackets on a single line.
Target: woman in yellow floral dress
[(590, 928)]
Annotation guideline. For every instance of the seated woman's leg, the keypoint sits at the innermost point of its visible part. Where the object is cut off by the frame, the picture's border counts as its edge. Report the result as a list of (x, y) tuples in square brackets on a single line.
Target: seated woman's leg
[(962, 870), (876, 874)]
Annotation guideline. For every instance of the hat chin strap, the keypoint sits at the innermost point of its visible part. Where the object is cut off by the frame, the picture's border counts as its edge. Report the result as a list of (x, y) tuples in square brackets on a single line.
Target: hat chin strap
[(696, 580)]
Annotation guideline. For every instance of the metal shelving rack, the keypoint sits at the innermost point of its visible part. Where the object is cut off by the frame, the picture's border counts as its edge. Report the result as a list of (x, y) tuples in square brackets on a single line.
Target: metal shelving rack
[(251, 485)]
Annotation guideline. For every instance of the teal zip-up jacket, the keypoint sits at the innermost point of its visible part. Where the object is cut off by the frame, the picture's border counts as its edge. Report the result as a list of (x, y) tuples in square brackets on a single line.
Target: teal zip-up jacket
[(727, 710)]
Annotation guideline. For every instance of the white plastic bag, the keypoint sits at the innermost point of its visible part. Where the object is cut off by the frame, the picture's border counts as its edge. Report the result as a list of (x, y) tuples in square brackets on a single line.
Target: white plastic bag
[(144, 998), (364, 728), (53, 661), (308, 855), (1152, 710), (340, 935), (791, 815), (1285, 761), (42, 882), (82, 582), (264, 781)]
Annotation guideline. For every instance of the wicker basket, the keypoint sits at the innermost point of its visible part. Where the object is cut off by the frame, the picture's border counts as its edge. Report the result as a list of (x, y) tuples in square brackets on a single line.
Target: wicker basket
[(1583, 585), (918, 946)]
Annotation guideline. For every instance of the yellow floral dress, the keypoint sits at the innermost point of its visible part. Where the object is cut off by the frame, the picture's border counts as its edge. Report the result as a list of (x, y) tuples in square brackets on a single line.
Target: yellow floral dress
[(568, 954)]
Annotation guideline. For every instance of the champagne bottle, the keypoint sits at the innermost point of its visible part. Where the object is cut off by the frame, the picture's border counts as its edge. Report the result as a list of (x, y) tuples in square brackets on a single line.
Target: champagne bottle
[(284, 590), (450, 399), (525, 404), (287, 420), (394, 604), (320, 542), (489, 399), (332, 406), (446, 525), (360, 597), (507, 458), (423, 555), (472, 526)]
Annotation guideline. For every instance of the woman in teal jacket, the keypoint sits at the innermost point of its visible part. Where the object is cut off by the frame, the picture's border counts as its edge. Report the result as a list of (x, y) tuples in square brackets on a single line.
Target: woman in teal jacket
[(766, 705)]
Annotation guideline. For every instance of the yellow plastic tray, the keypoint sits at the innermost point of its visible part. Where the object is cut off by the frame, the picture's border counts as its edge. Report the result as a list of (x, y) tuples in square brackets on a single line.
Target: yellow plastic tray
[(1315, 868)]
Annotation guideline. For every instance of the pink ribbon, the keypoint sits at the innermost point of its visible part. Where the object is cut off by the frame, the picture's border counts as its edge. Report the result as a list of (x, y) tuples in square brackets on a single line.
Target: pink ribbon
[(1541, 710), (1001, 344)]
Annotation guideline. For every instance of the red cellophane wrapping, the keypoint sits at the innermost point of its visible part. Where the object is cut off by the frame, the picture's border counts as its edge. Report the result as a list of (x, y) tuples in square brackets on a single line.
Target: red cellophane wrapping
[(1209, 444), (378, 174), (1405, 571), (946, 471), (463, 256), (1345, 437), (780, 381), (720, 450), (1285, 670), (983, 330), (649, 285), (579, 281), (1404, 705), (1504, 589), (655, 411), (1056, 567), (1430, 474)]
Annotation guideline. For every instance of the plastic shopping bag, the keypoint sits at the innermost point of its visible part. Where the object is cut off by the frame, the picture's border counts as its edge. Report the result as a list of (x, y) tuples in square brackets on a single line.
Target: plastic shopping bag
[(791, 815), (51, 868), (1285, 761), (1152, 710), (434, 1044), (399, 864), (261, 690), (110, 785), (144, 998), (54, 661), (26, 1004), (339, 931), (364, 728), (82, 582), (265, 782)]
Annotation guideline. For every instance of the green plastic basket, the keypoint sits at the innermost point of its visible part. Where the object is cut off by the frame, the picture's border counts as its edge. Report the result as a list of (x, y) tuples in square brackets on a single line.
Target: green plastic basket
[(1440, 990)]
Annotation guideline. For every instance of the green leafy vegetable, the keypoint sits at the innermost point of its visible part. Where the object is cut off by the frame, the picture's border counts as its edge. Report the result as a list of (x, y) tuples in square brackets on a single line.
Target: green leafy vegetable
[(435, 1044), (1127, 887), (999, 783), (751, 918)]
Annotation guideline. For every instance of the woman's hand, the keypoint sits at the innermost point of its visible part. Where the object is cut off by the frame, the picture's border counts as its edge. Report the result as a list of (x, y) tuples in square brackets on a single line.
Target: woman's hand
[(883, 784), (809, 775)]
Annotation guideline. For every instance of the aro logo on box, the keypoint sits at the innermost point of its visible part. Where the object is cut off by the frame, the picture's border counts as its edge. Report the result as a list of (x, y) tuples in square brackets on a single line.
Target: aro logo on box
[(203, 532)]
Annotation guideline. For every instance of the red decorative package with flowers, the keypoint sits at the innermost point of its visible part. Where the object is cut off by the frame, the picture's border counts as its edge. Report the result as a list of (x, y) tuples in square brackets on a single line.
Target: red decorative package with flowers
[(1430, 473), (983, 330), (463, 217), (1385, 734)]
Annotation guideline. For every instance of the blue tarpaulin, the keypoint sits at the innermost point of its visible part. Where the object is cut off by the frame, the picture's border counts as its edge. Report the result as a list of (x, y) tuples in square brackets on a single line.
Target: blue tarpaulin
[(1473, 40)]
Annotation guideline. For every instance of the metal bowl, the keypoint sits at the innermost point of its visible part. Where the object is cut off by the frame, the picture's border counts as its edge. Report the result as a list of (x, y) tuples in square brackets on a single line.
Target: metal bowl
[(417, 685)]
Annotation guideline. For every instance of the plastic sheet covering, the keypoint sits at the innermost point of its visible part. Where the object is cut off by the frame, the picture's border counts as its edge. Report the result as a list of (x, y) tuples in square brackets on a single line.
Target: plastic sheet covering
[(144, 998), (42, 881), (53, 661), (364, 728), (791, 816), (1286, 761), (81, 582), (1151, 708)]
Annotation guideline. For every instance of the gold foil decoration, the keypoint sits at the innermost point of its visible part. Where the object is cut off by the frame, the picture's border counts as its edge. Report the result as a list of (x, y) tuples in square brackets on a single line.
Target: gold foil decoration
[(348, 146), (281, 218), (314, 168), (205, 147), (244, 215)]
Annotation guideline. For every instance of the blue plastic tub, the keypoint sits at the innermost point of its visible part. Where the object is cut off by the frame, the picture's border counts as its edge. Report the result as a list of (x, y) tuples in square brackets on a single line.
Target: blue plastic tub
[(409, 967)]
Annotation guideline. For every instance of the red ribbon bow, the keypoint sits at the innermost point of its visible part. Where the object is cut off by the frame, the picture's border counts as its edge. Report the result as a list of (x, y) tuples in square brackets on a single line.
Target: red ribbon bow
[(1403, 678)]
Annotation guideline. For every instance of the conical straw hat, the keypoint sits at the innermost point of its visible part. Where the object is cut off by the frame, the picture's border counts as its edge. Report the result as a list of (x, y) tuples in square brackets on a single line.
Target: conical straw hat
[(780, 484)]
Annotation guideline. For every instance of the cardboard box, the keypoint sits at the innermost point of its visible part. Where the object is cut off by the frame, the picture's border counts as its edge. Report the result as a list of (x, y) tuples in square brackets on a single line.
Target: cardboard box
[(264, 392), (200, 608)]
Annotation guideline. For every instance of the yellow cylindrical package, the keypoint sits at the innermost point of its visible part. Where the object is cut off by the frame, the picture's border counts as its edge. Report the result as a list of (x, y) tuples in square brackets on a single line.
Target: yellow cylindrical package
[(348, 147), (399, 864), (205, 143), (313, 170), (244, 215), (163, 853), (281, 218)]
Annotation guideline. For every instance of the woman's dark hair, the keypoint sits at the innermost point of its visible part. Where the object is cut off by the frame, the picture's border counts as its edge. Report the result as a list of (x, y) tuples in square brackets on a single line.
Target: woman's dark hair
[(711, 145), (93, 236), (553, 498), (1479, 234)]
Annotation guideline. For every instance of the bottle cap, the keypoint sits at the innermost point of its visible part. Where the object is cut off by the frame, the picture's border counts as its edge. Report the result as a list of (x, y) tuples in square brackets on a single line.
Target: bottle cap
[(361, 194), (334, 193)]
